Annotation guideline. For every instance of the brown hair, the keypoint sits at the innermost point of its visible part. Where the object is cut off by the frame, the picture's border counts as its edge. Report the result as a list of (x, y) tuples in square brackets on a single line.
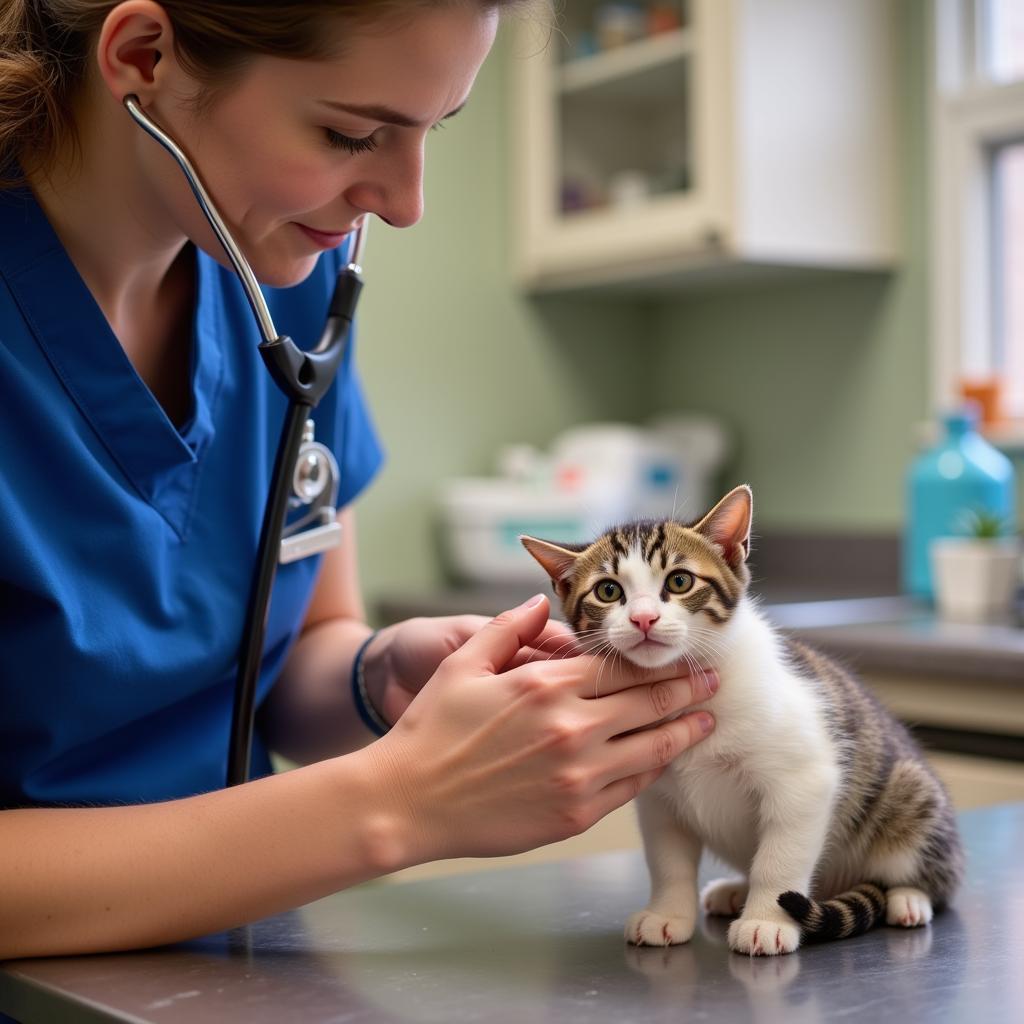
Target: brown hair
[(45, 48)]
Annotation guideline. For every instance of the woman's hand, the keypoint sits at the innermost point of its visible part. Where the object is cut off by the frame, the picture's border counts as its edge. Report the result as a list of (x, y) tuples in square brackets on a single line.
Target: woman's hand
[(501, 753), (402, 658)]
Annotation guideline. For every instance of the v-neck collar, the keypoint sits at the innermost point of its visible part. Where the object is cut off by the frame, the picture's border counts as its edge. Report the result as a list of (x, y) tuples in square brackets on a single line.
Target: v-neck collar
[(74, 335)]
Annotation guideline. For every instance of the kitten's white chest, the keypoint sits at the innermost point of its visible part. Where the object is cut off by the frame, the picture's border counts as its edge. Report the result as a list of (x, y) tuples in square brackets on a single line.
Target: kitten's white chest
[(711, 793), (769, 735)]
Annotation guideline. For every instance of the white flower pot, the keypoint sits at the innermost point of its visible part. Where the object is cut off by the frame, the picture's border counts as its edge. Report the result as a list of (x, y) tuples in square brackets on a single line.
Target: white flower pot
[(975, 580)]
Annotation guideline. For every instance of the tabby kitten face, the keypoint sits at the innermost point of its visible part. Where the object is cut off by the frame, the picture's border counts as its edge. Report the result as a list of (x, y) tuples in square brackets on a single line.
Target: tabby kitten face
[(654, 592)]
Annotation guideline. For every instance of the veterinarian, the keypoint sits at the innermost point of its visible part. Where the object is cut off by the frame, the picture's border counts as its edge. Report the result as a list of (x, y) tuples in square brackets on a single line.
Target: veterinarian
[(139, 427)]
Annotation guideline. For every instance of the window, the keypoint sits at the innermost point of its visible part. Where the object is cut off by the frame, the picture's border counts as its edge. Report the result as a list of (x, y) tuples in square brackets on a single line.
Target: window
[(1002, 33), (978, 160), (1007, 234)]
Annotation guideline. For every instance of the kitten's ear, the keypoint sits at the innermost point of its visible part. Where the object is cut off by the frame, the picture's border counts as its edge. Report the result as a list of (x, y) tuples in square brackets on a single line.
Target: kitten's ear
[(558, 562), (728, 524)]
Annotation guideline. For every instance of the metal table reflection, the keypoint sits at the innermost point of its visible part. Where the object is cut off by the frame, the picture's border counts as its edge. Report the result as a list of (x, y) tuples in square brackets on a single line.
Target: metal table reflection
[(544, 943)]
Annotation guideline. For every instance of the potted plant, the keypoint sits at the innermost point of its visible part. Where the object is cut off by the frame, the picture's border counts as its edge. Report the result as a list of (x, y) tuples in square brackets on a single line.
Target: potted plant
[(977, 575)]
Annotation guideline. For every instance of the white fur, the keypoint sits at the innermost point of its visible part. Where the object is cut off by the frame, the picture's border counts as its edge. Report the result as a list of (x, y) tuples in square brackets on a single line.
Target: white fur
[(724, 898), (907, 907)]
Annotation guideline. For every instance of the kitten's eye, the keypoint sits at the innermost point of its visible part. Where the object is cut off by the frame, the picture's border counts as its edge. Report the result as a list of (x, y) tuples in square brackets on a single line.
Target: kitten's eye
[(608, 591), (679, 583)]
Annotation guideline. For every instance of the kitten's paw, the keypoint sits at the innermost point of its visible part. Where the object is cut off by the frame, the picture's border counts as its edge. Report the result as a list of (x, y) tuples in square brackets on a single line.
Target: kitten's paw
[(763, 938), (907, 908), (724, 897), (646, 928)]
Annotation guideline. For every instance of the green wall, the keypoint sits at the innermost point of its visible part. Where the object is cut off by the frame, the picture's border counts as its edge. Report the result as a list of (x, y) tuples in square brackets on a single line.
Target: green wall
[(455, 363), (823, 383)]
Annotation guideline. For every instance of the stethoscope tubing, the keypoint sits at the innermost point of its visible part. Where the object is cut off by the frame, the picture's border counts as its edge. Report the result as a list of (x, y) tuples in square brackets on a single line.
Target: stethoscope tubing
[(304, 377), (241, 265), (261, 586)]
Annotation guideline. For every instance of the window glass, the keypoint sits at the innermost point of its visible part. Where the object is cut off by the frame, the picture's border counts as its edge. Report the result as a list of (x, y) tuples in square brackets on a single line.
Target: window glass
[(1003, 29), (1008, 266)]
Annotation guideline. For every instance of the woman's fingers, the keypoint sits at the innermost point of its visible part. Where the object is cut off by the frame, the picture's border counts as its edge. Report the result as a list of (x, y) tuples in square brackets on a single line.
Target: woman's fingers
[(620, 792), (498, 642), (642, 706), (644, 757), (653, 748), (557, 644)]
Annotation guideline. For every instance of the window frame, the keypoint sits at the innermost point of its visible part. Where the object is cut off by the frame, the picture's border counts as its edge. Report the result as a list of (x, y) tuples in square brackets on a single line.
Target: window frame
[(971, 115)]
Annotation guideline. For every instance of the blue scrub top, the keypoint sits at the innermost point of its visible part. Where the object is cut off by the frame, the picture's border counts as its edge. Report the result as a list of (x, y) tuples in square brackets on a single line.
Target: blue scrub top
[(126, 543)]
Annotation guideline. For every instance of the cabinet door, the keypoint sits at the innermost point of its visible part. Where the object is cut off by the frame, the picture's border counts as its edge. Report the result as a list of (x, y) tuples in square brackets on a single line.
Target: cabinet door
[(624, 155)]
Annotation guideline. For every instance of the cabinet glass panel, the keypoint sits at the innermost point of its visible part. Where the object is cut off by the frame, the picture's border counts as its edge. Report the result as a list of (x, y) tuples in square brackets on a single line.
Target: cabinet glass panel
[(623, 83)]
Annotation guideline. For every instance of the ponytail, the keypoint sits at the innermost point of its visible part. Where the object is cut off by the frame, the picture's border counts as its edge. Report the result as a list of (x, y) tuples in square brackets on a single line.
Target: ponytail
[(38, 66)]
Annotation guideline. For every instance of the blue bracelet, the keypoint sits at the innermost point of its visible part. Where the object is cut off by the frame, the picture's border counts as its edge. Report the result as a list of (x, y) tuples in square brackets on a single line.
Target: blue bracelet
[(371, 717)]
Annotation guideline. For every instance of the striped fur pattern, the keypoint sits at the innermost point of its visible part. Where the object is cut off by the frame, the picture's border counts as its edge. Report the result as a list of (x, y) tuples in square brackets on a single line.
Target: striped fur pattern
[(819, 799), (851, 913)]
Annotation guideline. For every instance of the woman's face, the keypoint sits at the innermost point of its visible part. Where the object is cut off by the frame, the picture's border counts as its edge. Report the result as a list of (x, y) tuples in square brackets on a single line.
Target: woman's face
[(297, 145)]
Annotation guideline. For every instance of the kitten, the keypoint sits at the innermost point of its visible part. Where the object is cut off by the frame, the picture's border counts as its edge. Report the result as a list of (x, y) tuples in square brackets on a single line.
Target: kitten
[(806, 786)]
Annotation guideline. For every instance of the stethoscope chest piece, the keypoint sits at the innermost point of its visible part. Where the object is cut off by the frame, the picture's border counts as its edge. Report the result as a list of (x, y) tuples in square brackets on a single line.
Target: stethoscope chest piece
[(314, 483)]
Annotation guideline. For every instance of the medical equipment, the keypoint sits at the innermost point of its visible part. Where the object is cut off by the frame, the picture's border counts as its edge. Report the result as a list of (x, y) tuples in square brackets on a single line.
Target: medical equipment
[(593, 476), (302, 466)]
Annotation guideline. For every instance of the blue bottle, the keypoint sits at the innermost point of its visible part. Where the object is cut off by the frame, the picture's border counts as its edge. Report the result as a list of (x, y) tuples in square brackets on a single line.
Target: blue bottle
[(961, 473)]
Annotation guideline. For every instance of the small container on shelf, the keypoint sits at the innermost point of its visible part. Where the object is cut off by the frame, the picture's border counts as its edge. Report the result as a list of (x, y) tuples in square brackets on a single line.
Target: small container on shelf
[(618, 24), (987, 392), (577, 195), (663, 17), (582, 44), (629, 188), (962, 471)]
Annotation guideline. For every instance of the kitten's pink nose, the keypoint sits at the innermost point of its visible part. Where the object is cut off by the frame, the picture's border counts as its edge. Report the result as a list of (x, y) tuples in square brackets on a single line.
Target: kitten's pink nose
[(644, 620)]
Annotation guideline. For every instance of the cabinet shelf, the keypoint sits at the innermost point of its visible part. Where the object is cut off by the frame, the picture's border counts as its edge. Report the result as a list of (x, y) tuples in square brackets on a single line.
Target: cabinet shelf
[(760, 134), (617, 67)]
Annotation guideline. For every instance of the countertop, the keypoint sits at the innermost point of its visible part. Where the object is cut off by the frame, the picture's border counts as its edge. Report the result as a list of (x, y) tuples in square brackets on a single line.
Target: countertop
[(544, 942)]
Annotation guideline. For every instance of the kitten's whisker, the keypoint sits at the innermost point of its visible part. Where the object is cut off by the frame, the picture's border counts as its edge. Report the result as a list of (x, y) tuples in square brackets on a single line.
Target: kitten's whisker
[(707, 631), (712, 644), (597, 683), (702, 645), (595, 647), (695, 666), (709, 640), (570, 641)]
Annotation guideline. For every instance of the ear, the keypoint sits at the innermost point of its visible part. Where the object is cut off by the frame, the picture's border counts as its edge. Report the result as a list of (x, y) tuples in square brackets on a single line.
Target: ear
[(728, 524), (557, 561), (135, 37)]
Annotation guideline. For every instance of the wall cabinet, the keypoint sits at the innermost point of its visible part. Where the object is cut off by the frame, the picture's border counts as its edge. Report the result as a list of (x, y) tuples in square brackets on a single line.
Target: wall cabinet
[(729, 137)]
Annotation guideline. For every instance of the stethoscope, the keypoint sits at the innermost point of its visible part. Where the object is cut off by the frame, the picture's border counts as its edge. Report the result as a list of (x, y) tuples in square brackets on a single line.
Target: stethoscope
[(305, 472)]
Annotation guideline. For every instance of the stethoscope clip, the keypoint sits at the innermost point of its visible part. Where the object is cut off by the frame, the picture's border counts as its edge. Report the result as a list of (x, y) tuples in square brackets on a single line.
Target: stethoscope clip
[(314, 483)]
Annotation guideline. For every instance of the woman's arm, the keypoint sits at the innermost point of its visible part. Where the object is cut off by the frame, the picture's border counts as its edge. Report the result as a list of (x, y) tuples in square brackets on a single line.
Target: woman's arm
[(83, 880), (309, 714), (487, 760)]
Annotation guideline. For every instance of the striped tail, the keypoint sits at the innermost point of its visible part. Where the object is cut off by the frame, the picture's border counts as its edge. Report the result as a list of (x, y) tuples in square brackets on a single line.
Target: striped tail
[(850, 913)]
